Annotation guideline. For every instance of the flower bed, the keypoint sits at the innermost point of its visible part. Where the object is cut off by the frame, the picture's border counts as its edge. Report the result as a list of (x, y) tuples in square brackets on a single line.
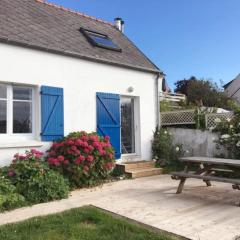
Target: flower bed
[(78, 160), (33, 178)]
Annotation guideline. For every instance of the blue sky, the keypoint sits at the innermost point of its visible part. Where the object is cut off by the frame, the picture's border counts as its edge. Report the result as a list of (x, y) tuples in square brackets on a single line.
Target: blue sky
[(182, 37)]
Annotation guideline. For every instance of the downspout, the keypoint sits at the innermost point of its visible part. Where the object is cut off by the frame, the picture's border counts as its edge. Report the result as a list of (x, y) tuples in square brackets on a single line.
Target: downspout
[(157, 99)]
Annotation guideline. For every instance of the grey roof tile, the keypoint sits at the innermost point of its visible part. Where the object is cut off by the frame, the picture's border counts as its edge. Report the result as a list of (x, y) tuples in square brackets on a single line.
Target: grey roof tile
[(38, 24)]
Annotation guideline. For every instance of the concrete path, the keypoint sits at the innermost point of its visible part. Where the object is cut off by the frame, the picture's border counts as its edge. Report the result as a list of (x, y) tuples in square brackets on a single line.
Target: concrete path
[(199, 213)]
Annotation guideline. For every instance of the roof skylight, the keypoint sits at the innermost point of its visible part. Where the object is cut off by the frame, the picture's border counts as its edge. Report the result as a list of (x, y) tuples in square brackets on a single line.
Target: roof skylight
[(100, 40)]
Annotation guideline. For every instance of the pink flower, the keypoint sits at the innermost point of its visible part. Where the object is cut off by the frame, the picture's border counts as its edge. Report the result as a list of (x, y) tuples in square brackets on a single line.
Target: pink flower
[(96, 144), (86, 150), (36, 152), (99, 148), (86, 168), (110, 155), (66, 162), (109, 165), (77, 152), (11, 173), (60, 158), (53, 161), (90, 158), (55, 145), (56, 162), (85, 144), (84, 138), (21, 157), (38, 155), (74, 148), (77, 162), (69, 151), (70, 142), (50, 161), (94, 138), (102, 152), (91, 148), (79, 142), (106, 138), (80, 159), (52, 153)]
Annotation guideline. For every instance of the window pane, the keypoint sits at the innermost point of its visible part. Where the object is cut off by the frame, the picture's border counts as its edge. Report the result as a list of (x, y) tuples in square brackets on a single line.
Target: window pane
[(3, 91), (22, 117), (22, 93), (103, 41), (3, 116)]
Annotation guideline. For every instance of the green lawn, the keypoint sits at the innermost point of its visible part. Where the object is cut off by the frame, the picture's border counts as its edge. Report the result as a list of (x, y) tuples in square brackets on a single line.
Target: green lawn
[(87, 223)]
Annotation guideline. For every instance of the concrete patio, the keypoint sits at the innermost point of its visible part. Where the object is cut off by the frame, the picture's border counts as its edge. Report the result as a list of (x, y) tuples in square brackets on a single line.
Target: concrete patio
[(198, 213)]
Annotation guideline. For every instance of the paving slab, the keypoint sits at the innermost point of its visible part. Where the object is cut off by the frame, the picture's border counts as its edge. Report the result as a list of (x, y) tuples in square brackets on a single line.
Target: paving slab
[(199, 213)]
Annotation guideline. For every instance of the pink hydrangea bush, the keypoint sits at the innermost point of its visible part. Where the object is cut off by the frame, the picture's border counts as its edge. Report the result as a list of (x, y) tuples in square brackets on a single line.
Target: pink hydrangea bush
[(25, 165), (33, 178), (85, 158)]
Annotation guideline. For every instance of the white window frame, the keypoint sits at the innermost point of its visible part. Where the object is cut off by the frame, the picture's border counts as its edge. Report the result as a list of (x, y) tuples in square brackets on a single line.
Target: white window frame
[(9, 135)]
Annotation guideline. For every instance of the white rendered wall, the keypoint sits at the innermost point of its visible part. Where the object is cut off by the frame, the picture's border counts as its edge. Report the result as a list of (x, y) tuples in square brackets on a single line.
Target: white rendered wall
[(81, 80)]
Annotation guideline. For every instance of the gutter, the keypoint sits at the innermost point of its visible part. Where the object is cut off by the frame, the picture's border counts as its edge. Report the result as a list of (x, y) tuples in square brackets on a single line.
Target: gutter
[(77, 55)]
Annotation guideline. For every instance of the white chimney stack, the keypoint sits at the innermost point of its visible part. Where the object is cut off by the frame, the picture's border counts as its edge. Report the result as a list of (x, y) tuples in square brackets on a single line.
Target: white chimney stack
[(119, 23)]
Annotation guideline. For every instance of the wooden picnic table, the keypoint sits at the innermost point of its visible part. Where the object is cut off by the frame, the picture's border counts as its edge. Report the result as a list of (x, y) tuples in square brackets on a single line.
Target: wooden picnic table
[(205, 168)]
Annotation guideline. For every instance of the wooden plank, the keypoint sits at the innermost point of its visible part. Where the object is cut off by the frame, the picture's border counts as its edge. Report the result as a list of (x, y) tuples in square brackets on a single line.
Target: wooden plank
[(206, 178), (216, 161)]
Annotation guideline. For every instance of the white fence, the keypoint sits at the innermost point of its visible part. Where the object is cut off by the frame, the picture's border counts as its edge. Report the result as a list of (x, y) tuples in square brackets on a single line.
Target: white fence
[(189, 117), (183, 117), (172, 97), (212, 119)]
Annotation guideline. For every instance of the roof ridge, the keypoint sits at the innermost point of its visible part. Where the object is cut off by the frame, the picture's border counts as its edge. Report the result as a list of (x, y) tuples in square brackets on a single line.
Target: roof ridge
[(72, 11)]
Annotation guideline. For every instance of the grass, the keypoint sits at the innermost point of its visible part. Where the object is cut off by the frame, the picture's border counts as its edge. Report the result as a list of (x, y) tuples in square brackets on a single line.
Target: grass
[(87, 223)]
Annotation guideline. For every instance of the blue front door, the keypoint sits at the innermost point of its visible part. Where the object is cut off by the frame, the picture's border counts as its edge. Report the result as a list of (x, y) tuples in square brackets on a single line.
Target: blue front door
[(108, 119)]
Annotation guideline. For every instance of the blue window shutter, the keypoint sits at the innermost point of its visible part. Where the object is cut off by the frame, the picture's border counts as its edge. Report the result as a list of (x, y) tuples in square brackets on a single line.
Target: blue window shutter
[(108, 119), (52, 123)]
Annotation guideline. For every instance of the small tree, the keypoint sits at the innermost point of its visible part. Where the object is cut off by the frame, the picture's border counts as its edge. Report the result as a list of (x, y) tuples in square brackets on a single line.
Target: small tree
[(202, 92)]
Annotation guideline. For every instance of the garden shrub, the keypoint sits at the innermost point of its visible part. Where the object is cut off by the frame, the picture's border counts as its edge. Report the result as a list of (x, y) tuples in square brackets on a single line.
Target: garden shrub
[(45, 187), (164, 151), (34, 179), (86, 159), (229, 134), (9, 198)]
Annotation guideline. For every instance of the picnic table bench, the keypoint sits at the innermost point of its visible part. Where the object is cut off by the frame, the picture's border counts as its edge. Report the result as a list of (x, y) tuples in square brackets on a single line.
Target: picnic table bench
[(205, 169)]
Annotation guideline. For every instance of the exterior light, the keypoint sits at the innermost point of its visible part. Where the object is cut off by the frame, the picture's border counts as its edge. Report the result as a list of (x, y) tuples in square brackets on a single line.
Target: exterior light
[(130, 89)]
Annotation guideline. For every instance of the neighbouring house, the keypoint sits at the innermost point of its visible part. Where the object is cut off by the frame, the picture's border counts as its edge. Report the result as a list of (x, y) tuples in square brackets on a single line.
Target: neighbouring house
[(63, 71), (232, 88)]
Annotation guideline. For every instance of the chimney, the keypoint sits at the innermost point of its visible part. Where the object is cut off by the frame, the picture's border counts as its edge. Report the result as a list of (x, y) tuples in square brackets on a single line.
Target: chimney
[(119, 23)]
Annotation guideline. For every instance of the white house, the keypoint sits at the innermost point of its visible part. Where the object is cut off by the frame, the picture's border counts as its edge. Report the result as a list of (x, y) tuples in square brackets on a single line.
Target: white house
[(63, 71)]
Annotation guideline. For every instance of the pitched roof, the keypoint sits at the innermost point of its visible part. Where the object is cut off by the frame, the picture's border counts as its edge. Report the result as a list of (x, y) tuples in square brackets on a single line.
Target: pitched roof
[(45, 26), (233, 86)]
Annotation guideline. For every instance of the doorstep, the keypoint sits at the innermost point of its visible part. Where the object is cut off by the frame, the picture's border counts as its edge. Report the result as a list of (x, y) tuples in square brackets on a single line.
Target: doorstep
[(137, 169)]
